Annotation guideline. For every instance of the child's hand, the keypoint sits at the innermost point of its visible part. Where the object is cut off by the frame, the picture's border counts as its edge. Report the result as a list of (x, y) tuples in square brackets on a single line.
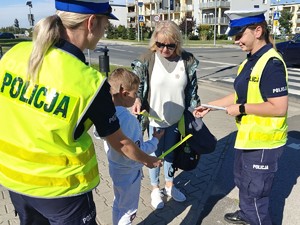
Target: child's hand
[(158, 133), (136, 108), (200, 111)]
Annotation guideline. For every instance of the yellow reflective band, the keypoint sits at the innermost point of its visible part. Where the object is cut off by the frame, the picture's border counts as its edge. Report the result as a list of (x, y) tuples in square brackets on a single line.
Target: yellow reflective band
[(261, 136), (43, 181), (146, 114), (46, 158), (175, 146)]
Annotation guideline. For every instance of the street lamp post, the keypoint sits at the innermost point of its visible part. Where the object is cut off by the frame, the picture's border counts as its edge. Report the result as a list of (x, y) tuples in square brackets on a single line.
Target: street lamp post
[(215, 22), (137, 20), (30, 16), (186, 20), (169, 8)]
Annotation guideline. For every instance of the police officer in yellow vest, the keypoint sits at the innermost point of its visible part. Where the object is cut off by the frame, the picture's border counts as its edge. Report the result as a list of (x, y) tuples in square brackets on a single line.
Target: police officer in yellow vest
[(49, 99), (260, 105)]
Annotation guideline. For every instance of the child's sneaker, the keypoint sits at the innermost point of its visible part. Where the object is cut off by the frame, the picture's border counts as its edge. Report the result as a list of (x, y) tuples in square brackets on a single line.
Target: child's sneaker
[(173, 192), (156, 200)]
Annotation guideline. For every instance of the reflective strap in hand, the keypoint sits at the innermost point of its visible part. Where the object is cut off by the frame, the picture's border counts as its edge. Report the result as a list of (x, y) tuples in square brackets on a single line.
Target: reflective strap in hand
[(174, 146), (146, 114)]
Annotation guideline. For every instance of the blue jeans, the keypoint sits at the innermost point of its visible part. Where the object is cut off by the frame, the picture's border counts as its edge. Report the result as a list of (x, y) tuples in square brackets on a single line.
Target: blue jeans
[(170, 138)]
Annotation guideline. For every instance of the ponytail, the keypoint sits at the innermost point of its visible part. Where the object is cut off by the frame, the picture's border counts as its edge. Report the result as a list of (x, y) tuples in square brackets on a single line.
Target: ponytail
[(47, 33)]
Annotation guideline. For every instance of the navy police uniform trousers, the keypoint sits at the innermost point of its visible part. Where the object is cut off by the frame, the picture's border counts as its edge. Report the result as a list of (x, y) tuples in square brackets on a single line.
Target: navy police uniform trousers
[(74, 210), (254, 172)]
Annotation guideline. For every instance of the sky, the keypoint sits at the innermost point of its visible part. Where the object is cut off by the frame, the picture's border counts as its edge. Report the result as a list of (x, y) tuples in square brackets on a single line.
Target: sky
[(17, 9)]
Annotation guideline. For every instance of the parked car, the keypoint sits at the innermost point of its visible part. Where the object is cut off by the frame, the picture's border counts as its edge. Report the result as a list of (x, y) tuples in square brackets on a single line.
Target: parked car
[(1, 52), (290, 51), (6, 35)]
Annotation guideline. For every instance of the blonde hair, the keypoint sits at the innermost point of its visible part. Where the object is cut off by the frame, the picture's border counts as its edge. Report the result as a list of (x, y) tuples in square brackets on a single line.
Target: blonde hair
[(46, 34), (124, 78), (170, 31)]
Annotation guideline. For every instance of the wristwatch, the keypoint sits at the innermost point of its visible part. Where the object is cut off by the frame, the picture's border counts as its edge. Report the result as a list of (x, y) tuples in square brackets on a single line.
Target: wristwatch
[(242, 109)]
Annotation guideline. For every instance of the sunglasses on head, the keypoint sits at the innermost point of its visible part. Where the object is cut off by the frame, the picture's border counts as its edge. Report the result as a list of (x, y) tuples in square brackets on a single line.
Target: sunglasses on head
[(168, 46)]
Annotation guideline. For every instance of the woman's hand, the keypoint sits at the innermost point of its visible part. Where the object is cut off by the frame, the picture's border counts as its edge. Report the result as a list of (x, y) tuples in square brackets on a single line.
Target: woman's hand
[(200, 111), (233, 110), (136, 108)]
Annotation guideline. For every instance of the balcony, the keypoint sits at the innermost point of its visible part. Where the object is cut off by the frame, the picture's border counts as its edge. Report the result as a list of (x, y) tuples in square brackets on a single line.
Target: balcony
[(162, 11), (210, 5), (211, 20), (131, 14), (187, 8)]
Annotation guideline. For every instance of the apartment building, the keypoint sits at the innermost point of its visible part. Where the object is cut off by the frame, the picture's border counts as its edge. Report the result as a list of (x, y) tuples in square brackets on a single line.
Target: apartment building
[(292, 6), (120, 11), (149, 12), (203, 12), (210, 12)]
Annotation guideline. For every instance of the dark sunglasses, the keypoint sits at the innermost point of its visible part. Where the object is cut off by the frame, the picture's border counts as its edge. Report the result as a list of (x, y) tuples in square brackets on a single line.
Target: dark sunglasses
[(169, 46)]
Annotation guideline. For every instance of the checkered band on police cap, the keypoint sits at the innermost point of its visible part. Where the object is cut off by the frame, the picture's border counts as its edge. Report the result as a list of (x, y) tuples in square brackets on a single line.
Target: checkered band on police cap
[(100, 7), (241, 19)]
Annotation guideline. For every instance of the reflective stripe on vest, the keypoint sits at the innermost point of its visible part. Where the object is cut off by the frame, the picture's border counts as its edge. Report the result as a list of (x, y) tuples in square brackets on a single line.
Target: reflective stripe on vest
[(258, 132), (38, 154)]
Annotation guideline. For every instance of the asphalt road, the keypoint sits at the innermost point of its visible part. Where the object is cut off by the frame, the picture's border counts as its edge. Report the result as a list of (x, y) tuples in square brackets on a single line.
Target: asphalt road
[(214, 62)]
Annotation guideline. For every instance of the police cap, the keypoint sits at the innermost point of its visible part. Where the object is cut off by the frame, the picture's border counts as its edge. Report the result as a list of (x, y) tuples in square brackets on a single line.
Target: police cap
[(98, 7), (241, 19)]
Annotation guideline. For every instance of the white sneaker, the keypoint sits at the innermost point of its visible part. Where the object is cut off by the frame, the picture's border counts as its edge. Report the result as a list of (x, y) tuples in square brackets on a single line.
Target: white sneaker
[(173, 192), (96, 135), (156, 200)]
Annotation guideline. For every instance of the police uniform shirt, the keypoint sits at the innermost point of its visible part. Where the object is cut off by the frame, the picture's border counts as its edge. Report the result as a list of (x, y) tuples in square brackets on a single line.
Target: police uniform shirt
[(102, 109), (273, 80)]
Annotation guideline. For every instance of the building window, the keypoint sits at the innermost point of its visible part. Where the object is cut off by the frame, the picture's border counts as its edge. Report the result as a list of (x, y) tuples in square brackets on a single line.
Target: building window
[(256, 6), (265, 2)]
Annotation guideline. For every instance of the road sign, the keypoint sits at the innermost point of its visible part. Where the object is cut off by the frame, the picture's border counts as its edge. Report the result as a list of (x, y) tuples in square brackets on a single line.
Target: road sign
[(140, 4), (276, 15), (156, 18), (141, 18)]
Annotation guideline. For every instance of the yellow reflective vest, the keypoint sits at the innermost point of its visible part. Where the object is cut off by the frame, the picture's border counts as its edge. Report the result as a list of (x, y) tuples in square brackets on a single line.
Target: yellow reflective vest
[(38, 154), (260, 132)]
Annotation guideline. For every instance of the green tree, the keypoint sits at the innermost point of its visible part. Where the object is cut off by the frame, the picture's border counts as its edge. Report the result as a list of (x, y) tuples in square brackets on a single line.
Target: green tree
[(122, 32), (205, 32), (131, 33), (110, 33), (285, 23), (16, 25), (186, 26)]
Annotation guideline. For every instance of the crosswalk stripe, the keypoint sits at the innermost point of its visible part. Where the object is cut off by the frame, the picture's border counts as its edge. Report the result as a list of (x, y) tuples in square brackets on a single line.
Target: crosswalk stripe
[(293, 80), (294, 92), (294, 77)]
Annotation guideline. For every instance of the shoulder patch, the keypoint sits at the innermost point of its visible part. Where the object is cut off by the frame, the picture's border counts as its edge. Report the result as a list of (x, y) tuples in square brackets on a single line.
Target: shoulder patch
[(276, 61)]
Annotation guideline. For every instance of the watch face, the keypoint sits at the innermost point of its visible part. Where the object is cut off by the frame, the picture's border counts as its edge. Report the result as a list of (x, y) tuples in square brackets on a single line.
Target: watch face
[(242, 108)]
